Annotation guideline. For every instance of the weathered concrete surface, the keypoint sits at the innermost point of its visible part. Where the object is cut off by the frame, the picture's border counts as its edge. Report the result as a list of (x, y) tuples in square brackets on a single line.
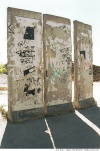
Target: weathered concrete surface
[(96, 72), (57, 64), (4, 94), (83, 70), (25, 86)]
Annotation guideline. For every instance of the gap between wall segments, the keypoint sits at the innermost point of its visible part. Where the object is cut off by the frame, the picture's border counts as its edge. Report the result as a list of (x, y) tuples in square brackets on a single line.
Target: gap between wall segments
[(49, 132), (88, 122)]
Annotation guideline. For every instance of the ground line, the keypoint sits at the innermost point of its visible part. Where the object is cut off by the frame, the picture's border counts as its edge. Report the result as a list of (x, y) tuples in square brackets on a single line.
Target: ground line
[(49, 132), (88, 122)]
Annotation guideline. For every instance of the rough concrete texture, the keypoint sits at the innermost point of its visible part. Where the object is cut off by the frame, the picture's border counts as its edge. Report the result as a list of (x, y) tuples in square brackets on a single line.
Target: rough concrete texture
[(96, 72), (83, 70), (25, 86), (57, 63)]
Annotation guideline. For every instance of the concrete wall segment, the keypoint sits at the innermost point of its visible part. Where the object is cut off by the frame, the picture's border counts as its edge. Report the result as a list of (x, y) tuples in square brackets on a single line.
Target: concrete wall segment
[(25, 46), (32, 47), (58, 19), (83, 59), (24, 13), (57, 62)]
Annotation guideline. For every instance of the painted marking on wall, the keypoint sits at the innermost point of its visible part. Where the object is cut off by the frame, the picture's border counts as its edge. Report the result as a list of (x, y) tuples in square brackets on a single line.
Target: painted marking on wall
[(10, 29), (55, 73), (83, 53), (32, 86), (27, 55), (29, 33), (11, 73), (30, 70)]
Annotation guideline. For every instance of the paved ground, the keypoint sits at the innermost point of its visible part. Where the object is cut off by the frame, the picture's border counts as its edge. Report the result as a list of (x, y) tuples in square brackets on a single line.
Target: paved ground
[(80, 129), (67, 131)]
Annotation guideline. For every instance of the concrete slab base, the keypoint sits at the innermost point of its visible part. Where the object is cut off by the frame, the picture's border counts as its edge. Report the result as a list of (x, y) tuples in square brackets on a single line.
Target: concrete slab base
[(61, 108), (84, 103), (23, 115)]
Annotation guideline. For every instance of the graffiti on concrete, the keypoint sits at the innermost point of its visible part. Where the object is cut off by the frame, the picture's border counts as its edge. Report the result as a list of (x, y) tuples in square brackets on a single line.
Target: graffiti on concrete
[(11, 73), (83, 53), (90, 71), (54, 46), (62, 80), (60, 74), (65, 56), (84, 63), (24, 70), (26, 60), (32, 86), (62, 50), (63, 76), (27, 55), (29, 91), (88, 67), (29, 33), (55, 73), (25, 52), (65, 28), (30, 70), (10, 29), (23, 43)]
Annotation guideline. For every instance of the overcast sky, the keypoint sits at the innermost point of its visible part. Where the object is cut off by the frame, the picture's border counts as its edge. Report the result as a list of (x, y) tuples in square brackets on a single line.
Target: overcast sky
[(86, 11)]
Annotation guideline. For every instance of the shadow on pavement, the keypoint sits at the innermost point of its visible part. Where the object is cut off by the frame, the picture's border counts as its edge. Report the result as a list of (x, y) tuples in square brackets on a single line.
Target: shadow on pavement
[(92, 114), (68, 131), (27, 134)]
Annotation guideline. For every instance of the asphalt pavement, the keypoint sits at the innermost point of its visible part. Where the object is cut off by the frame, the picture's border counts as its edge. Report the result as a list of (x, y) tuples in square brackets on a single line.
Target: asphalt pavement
[(62, 131)]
